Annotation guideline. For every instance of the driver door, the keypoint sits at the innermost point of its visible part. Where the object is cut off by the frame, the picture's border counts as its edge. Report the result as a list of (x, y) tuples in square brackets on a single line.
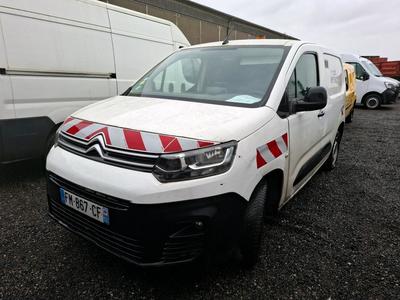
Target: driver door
[(305, 127)]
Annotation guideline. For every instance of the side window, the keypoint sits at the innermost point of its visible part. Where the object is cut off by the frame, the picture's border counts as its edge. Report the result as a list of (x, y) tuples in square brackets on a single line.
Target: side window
[(359, 70), (334, 74), (347, 79), (291, 87), (304, 76)]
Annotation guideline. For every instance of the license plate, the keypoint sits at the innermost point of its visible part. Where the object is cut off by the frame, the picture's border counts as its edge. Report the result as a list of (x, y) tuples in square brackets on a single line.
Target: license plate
[(86, 207)]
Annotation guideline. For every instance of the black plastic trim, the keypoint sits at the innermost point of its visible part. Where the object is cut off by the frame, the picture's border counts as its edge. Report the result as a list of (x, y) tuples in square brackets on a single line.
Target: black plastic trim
[(24, 138), (153, 234), (312, 163), (389, 96)]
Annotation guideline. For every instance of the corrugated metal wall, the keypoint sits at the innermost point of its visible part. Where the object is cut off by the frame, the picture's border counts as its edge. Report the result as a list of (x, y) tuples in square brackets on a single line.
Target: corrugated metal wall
[(199, 23)]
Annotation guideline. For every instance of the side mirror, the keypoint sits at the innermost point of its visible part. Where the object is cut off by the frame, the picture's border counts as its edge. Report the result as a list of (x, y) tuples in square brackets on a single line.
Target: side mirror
[(315, 99), (364, 76)]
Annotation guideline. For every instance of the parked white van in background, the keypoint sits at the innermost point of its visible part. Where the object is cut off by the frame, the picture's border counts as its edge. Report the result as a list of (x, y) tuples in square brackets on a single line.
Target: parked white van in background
[(58, 56), (373, 89)]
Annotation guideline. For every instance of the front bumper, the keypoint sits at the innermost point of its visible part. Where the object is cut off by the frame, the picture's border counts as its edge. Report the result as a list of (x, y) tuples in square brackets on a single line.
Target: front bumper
[(153, 234), (390, 95)]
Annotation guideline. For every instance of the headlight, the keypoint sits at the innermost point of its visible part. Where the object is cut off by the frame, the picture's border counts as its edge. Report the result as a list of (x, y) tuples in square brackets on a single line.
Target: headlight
[(389, 85), (196, 163)]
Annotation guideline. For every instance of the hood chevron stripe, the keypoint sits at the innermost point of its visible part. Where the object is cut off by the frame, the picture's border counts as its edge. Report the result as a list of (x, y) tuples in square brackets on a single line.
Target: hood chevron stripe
[(129, 139)]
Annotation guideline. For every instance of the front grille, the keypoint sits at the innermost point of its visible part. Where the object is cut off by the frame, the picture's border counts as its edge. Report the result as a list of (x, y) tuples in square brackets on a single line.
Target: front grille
[(96, 149), (99, 198), (121, 245), (130, 235)]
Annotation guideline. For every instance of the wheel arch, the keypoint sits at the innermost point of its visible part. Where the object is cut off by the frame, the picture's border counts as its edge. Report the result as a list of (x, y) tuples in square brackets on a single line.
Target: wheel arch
[(369, 94), (50, 136), (274, 180), (341, 129)]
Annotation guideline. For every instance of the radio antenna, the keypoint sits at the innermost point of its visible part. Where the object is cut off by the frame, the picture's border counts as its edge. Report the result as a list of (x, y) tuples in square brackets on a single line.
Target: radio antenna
[(228, 33)]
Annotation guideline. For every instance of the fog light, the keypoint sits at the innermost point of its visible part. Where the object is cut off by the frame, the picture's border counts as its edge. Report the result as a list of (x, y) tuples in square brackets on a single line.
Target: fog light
[(199, 224)]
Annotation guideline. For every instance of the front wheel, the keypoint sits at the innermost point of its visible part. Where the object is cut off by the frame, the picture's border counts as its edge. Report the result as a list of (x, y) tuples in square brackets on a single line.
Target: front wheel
[(331, 163), (372, 101), (253, 227)]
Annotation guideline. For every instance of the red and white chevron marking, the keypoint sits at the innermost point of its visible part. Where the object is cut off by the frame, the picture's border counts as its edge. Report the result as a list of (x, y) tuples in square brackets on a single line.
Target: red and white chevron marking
[(271, 150), (129, 139)]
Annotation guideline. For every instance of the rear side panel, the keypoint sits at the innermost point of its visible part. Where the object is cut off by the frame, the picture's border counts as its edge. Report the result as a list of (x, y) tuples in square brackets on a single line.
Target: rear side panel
[(44, 45), (6, 97), (56, 66), (333, 80), (57, 62), (139, 44)]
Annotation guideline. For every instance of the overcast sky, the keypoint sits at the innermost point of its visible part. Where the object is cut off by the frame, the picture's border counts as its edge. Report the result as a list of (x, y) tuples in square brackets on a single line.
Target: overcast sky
[(366, 27)]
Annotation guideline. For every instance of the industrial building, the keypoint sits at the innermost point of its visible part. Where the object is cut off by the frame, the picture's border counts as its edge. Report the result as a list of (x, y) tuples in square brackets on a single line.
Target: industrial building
[(200, 23)]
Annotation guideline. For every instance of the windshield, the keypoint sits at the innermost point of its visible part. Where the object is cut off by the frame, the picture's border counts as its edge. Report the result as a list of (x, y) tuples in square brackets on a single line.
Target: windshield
[(230, 75), (372, 68)]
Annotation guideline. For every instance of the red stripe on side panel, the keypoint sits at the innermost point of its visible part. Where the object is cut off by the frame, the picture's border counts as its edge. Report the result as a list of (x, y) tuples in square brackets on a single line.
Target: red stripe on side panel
[(103, 130), (260, 160), (170, 143), (134, 140), (76, 128), (284, 137), (274, 149), (203, 144)]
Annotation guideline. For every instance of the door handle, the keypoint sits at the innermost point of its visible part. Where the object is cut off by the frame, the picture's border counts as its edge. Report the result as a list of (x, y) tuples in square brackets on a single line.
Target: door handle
[(321, 114)]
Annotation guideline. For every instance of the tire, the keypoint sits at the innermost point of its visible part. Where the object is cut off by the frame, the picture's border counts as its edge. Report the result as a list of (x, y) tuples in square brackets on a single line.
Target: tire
[(331, 163), (349, 118), (253, 227), (49, 143), (372, 101)]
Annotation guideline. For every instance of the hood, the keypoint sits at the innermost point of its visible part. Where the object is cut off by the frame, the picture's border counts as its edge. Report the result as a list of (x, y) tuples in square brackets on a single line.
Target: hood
[(384, 79), (391, 80), (210, 122)]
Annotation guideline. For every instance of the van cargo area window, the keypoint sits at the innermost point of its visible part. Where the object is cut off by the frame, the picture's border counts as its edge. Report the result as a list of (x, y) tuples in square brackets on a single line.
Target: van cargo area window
[(228, 75)]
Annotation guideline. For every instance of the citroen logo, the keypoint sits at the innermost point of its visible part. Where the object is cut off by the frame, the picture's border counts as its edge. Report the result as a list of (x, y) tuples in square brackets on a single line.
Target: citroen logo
[(97, 144)]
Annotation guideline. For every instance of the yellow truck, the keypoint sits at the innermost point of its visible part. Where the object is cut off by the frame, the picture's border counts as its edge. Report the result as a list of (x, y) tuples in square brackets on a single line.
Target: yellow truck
[(351, 96)]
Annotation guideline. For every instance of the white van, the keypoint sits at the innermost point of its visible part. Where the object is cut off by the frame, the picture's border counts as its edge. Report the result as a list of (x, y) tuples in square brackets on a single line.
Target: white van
[(58, 56), (199, 150), (373, 89)]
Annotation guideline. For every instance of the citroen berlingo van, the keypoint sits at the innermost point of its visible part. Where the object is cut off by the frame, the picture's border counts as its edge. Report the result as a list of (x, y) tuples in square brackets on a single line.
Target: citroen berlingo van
[(191, 159)]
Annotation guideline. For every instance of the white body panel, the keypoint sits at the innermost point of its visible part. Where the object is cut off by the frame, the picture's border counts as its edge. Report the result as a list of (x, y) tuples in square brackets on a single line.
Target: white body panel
[(59, 56), (251, 127), (44, 45), (80, 39), (202, 121), (134, 50), (6, 98)]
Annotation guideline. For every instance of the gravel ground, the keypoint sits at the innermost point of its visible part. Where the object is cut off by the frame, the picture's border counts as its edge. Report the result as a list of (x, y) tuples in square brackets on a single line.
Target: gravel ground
[(339, 237)]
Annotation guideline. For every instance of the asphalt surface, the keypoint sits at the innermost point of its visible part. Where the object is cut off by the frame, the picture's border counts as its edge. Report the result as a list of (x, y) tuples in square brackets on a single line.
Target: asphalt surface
[(338, 238)]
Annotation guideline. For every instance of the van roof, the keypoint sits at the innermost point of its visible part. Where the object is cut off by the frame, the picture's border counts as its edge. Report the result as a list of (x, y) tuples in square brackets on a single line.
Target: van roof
[(272, 42), (349, 57), (353, 58)]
